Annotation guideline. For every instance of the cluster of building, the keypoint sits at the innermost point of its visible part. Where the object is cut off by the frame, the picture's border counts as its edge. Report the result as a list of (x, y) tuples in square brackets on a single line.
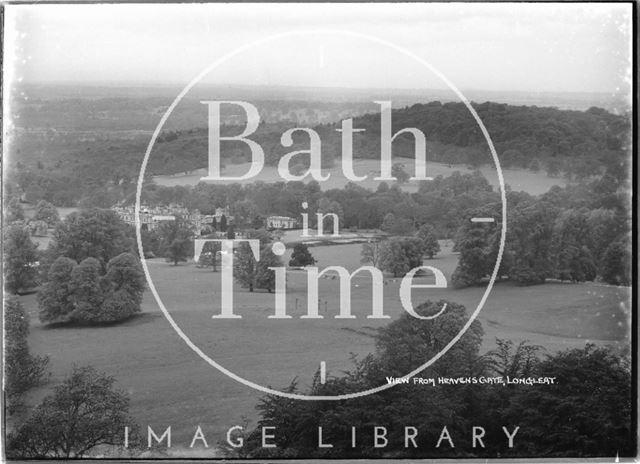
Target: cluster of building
[(280, 222), (152, 217)]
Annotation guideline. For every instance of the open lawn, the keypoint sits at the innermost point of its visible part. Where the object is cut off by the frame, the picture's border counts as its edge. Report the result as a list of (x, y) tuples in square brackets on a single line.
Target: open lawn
[(518, 179), (170, 385)]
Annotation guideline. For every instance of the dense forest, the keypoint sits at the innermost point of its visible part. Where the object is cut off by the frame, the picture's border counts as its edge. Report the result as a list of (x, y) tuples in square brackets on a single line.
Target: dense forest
[(99, 172)]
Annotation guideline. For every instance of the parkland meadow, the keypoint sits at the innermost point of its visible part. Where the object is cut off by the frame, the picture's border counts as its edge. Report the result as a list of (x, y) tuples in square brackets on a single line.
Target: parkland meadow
[(170, 385)]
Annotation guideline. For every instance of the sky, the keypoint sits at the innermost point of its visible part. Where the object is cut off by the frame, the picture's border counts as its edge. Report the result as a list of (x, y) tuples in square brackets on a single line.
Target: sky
[(538, 47)]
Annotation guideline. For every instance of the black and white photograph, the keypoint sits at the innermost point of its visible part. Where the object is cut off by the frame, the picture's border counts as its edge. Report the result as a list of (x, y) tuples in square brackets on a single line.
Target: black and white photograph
[(319, 231)]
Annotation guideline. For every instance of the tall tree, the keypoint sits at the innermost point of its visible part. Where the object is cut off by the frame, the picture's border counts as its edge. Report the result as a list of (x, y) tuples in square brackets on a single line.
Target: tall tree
[(573, 260), (93, 233), (528, 244), (430, 244), (87, 291), (125, 274), (615, 267), (265, 278), (20, 259), (176, 240), (245, 267), (407, 342), (178, 250), (371, 253), (82, 413), (22, 370), (605, 227), (400, 255), (55, 296), (473, 263)]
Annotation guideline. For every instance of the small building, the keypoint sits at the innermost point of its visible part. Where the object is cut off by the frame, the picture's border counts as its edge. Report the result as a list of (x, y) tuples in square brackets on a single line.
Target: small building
[(280, 222), (163, 218)]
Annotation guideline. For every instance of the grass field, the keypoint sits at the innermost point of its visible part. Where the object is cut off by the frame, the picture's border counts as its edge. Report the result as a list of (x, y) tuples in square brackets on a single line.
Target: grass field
[(518, 179), (170, 385)]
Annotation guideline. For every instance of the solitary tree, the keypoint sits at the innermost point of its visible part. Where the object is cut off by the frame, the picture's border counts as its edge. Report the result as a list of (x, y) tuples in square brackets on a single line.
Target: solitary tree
[(301, 256), (20, 259), (245, 266), (370, 253), (84, 412), (178, 251), (399, 256), (430, 245)]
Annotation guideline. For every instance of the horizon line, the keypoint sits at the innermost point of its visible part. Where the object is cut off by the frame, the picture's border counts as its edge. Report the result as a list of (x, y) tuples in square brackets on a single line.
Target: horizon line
[(170, 84)]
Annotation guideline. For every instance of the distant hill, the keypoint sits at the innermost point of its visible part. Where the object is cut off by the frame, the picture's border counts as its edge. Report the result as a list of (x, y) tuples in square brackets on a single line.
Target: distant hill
[(578, 144), (524, 136)]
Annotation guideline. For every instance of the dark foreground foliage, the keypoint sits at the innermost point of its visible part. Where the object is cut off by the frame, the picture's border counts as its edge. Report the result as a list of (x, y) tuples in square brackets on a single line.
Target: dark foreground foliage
[(84, 412), (587, 412)]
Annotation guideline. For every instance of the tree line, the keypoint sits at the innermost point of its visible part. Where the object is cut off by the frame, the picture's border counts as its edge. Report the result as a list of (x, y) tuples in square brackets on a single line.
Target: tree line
[(89, 275), (578, 144), (579, 233)]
